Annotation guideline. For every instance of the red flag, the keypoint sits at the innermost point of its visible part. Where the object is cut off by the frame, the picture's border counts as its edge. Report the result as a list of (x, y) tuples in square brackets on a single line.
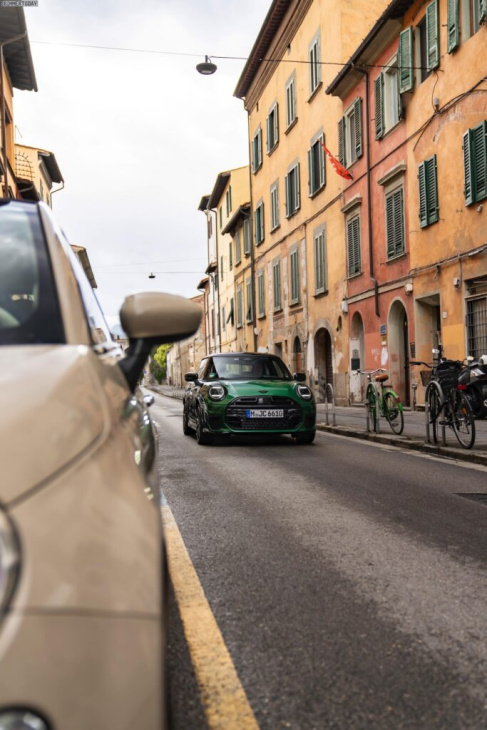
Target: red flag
[(337, 165)]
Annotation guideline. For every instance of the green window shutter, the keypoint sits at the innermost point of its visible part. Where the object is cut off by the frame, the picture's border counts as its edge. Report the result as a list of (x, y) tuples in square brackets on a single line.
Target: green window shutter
[(288, 199), (268, 132), (395, 223), (230, 255), (379, 106), (276, 124), (353, 236), (432, 189), (432, 35), (298, 189), (453, 34), (357, 108), (405, 60), (262, 233), (479, 160), (423, 217), (341, 141), (321, 155), (467, 167)]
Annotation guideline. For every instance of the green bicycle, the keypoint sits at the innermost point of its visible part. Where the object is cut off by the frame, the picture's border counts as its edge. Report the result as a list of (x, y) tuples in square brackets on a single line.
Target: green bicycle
[(385, 403)]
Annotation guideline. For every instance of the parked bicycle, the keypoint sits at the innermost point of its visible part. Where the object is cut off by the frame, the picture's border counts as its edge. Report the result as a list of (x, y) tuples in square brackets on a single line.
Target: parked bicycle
[(448, 404), (382, 400)]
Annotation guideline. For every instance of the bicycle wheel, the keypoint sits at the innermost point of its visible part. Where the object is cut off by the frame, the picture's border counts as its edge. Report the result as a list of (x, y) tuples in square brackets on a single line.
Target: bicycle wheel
[(393, 412), (434, 408), (371, 402), (463, 420)]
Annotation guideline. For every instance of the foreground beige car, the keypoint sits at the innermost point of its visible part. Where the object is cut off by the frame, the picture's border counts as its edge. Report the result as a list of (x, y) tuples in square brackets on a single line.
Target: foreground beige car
[(82, 588)]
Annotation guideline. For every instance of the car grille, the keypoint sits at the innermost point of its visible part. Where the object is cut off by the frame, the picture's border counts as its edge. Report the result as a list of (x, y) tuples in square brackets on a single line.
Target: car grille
[(236, 413)]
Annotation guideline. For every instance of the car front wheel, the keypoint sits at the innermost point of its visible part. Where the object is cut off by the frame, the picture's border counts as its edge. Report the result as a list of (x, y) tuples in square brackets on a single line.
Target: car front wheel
[(305, 438), (186, 428), (204, 439)]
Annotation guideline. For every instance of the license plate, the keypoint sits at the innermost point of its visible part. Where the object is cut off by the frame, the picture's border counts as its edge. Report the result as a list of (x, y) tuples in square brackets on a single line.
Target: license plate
[(266, 413)]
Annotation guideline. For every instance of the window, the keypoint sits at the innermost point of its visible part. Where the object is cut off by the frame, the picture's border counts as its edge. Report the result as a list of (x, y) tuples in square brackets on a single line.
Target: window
[(474, 13), (221, 268), (293, 200), (248, 296), (230, 256), (257, 150), (421, 53), (432, 35), (247, 238), (320, 260), (273, 128), (405, 60), (395, 223), (239, 306), (477, 327), (350, 134), (276, 284), (275, 205), (259, 223), (453, 26), (353, 245), (316, 165), (224, 321), (291, 100), (428, 192), (230, 317), (388, 106), (228, 200), (210, 225), (220, 213), (261, 292), (238, 246), (294, 271), (475, 163), (314, 58)]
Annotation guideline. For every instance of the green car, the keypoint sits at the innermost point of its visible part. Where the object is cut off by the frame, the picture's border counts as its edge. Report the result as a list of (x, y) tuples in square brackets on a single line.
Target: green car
[(235, 393)]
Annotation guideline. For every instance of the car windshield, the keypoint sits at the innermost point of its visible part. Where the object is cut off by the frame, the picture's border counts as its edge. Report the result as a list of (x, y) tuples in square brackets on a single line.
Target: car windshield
[(29, 311), (248, 367)]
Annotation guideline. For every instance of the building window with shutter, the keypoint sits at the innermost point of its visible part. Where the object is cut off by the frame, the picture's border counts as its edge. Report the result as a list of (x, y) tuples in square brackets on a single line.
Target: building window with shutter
[(230, 255), (259, 223), (405, 60), (220, 213), (294, 272), (273, 128), (257, 150), (293, 195), (247, 237), (388, 104), (350, 134), (395, 223), (230, 317), (276, 284), (248, 296), (291, 115), (275, 205), (228, 200), (238, 246), (239, 307), (221, 268), (453, 26), (432, 35), (422, 51), (320, 260), (261, 293), (316, 165), (314, 59), (428, 192), (224, 321), (353, 245), (474, 13), (475, 163)]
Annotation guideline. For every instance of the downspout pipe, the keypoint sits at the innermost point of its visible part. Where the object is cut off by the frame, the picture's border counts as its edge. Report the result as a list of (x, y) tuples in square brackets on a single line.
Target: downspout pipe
[(369, 194), (2, 104), (252, 255)]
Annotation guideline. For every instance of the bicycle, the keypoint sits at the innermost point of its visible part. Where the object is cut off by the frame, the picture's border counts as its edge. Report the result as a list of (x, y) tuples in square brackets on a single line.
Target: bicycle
[(447, 402), (386, 403)]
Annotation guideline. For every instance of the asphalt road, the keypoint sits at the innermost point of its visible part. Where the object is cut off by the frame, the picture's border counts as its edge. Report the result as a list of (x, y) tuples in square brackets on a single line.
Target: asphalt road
[(348, 579)]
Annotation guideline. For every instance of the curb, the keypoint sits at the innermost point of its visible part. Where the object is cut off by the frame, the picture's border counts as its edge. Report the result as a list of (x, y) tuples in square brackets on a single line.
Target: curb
[(407, 443)]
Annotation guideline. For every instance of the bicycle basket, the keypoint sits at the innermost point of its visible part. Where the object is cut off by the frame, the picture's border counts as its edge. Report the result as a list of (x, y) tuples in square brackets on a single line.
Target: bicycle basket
[(447, 374), (425, 377)]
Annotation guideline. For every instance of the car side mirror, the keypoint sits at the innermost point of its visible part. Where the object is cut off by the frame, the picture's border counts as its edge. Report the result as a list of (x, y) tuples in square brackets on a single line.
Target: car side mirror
[(299, 377), (148, 400), (150, 319), (191, 377)]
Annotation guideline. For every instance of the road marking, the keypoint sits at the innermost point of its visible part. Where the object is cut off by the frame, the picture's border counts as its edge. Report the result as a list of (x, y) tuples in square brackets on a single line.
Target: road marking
[(224, 700)]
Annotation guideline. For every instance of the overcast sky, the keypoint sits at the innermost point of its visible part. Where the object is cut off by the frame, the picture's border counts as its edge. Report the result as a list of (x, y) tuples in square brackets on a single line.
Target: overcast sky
[(139, 137)]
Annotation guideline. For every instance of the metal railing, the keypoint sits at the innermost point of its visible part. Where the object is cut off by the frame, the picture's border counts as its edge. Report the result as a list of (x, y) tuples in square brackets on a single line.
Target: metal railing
[(332, 396)]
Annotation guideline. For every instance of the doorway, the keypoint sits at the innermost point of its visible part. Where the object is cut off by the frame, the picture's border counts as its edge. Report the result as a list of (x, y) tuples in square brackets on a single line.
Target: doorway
[(298, 360), (398, 341), (357, 359), (324, 362)]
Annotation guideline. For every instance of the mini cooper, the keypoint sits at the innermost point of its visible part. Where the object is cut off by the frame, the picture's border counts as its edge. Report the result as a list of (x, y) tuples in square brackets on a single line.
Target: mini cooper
[(235, 393)]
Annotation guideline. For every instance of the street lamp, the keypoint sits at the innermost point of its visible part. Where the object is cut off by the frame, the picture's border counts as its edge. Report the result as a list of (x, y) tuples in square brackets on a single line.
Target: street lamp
[(206, 68)]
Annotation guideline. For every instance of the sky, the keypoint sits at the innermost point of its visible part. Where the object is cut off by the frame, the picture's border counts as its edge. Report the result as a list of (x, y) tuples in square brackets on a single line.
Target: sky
[(139, 137)]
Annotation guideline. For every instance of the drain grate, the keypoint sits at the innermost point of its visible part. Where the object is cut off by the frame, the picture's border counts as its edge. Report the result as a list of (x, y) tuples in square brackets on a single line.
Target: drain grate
[(475, 497)]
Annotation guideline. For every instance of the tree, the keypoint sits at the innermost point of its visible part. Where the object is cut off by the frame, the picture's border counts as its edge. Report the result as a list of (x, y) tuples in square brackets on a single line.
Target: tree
[(158, 362)]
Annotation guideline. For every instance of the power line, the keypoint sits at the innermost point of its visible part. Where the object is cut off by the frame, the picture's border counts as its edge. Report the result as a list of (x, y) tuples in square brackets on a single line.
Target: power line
[(149, 263)]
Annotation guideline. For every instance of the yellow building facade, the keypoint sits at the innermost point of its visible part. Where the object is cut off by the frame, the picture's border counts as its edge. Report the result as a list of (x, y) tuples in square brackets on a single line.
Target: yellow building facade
[(298, 229), (36, 171)]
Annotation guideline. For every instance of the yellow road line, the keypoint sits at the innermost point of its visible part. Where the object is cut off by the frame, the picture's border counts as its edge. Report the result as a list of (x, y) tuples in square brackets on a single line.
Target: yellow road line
[(224, 701)]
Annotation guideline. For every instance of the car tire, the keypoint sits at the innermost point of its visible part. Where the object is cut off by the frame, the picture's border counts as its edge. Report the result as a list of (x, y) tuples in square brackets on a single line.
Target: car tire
[(187, 430), (305, 438), (204, 439)]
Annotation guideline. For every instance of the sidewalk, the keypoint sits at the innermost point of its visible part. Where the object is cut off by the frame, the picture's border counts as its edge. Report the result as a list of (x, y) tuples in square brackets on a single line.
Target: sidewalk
[(351, 421)]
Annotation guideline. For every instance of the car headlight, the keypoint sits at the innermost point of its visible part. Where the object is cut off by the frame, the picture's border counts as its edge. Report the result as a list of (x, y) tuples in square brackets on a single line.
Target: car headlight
[(304, 392), (216, 392), (9, 560)]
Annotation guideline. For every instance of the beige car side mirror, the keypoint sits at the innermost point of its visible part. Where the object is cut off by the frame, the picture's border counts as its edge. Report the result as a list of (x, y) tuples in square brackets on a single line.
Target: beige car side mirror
[(154, 318)]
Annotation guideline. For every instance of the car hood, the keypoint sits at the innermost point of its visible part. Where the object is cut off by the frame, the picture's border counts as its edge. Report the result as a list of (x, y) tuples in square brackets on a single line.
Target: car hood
[(51, 412), (259, 387)]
